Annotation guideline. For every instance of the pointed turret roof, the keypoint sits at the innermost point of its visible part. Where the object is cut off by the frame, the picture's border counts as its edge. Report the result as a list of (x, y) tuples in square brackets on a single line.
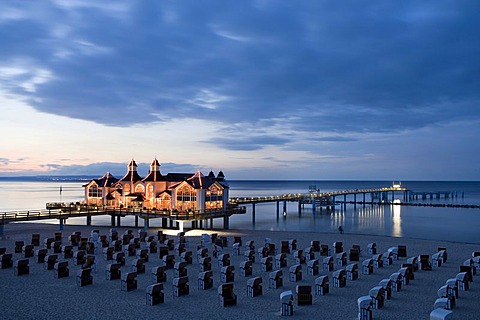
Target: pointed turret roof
[(132, 174), (154, 173)]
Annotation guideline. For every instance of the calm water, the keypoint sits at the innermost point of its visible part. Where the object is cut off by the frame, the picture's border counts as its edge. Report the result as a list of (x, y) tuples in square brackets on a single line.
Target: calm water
[(452, 224)]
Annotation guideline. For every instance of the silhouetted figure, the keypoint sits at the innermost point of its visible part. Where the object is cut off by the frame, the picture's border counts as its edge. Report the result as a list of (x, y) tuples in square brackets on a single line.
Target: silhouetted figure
[(340, 229)]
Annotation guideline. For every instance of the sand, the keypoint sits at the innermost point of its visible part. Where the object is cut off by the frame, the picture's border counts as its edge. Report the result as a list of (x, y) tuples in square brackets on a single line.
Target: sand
[(40, 296)]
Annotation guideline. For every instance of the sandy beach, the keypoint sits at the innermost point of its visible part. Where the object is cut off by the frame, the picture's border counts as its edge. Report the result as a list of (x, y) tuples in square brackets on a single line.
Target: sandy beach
[(40, 295)]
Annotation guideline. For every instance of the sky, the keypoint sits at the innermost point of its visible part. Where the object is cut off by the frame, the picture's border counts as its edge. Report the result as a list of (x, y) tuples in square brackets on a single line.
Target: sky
[(260, 89)]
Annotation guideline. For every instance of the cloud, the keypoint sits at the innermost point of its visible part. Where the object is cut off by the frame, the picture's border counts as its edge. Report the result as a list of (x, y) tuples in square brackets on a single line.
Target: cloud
[(337, 68)]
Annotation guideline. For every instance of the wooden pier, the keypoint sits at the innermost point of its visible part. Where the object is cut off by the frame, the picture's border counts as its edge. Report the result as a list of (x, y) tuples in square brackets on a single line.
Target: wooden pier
[(170, 218)]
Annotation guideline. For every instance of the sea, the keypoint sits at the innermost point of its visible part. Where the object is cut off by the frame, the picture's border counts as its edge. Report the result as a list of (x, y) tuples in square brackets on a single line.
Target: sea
[(419, 221)]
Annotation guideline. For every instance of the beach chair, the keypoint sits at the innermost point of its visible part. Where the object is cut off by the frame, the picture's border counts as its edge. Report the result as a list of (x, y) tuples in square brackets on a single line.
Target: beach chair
[(292, 244), (142, 254), (295, 273), (299, 257), (339, 278), (205, 264), (138, 265), (103, 241), (154, 294), (113, 271), (441, 314), (27, 251), (393, 253), (275, 279), (152, 246), (267, 264), (285, 247), (249, 245), (246, 268), (179, 248), (401, 251), (181, 286), (452, 287), (341, 259), (19, 246), (6, 261), (404, 273), (50, 261), (437, 259), (469, 268), (119, 257), (67, 252), (262, 252), (162, 251), (223, 260), (226, 296), (130, 249), (425, 262), (254, 287), (324, 250), (312, 267), (205, 280), (202, 253), (180, 269), (74, 239), (159, 274), (388, 258), (170, 244), (91, 247), (236, 249), (354, 254), (21, 267), (462, 281), (84, 277), (237, 239), (387, 285), (90, 262), (186, 257), (57, 236), (309, 253), (217, 250), (113, 235), (249, 255), (367, 266), (117, 245), (82, 245), (378, 297), (35, 239), (47, 243), (378, 260), (161, 237), (169, 261), (128, 281), (108, 253), (286, 300), (414, 262), (40, 255), (61, 269), (322, 285), (271, 249), (410, 273), (365, 305), (352, 271), (281, 260), (228, 274), (315, 244), (444, 253), (328, 264), (396, 278), (337, 247), (372, 248), (304, 295)]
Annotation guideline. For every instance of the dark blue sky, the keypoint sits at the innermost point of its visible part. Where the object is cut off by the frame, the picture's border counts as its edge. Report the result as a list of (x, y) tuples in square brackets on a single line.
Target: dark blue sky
[(260, 89)]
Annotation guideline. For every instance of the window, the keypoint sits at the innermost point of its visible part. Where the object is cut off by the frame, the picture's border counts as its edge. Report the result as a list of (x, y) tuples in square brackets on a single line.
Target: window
[(94, 192)]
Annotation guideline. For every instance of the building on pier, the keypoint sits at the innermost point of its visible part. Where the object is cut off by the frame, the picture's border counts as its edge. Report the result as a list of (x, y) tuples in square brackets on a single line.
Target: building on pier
[(173, 191)]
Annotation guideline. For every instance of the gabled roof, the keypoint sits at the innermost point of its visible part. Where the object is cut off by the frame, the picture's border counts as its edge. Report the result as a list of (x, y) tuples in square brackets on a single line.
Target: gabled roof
[(177, 177), (199, 181), (106, 181)]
